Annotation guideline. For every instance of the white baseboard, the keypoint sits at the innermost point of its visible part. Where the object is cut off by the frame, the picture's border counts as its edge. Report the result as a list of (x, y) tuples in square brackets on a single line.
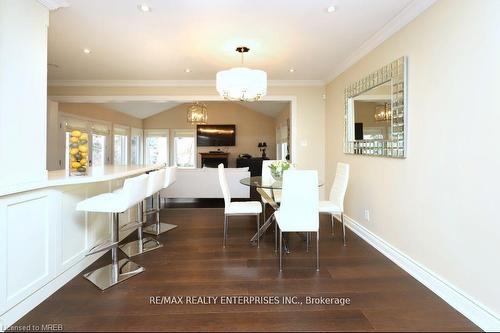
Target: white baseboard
[(473, 310)]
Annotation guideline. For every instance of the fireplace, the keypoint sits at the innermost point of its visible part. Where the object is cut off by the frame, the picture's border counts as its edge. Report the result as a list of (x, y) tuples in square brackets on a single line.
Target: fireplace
[(212, 160)]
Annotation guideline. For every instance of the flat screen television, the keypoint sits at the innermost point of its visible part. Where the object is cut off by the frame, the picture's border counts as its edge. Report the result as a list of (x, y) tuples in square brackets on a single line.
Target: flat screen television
[(215, 135)]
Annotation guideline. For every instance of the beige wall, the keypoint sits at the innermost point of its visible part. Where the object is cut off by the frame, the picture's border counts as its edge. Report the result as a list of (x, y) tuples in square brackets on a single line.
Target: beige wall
[(439, 205), (251, 127), (307, 126), (98, 112)]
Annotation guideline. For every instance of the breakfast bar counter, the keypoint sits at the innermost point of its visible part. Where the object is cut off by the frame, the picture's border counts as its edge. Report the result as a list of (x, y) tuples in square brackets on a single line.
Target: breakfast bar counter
[(95, 174), (44, 239)]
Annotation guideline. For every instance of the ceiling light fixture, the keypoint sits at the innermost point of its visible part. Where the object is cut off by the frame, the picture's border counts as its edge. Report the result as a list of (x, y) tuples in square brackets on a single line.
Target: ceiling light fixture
[(383, 112), (242, 83), (86, 51), (331, 9), (187, 70), (197, 113), (144, 8), (291, 70)]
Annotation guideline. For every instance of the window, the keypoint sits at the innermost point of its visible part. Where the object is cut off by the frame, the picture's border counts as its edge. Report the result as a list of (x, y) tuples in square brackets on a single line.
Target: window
[(184, 148), (156, 146), (99, 153), (98, 149), (120, 140), (136, 146)]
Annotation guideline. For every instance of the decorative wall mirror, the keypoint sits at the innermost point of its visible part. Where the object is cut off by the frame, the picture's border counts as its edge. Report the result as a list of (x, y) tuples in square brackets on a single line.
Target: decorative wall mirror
[(375, 113)]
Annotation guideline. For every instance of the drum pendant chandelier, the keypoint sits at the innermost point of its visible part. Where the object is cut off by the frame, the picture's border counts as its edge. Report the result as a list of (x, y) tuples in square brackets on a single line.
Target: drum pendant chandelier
[(242, 83)]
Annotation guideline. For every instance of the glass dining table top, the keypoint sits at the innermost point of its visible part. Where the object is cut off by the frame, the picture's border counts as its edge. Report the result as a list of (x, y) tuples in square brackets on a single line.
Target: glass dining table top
[(268, 183)]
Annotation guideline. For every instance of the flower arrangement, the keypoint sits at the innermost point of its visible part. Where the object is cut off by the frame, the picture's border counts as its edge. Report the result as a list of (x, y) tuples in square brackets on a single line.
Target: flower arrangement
[(277, 169)]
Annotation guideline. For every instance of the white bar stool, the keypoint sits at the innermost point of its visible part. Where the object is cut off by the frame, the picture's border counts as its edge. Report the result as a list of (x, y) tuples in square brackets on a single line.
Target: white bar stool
[(133, 192), (158, 227), (156, 179)]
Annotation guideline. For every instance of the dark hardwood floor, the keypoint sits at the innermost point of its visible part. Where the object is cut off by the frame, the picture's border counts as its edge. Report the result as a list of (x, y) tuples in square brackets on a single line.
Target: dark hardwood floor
[(193, 263)]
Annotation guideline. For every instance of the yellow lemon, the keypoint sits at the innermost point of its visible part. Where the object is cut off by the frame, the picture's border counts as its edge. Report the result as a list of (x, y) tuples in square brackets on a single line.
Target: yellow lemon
[(72, 158), (73, 151), (84, 154), (84, 136), (75, 165), (83, 161), (74, 139), (76, 133), (84, 148)]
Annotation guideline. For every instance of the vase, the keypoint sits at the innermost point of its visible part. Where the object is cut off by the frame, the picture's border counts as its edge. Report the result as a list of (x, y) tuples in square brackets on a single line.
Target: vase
[(278, 176), (78, 145)]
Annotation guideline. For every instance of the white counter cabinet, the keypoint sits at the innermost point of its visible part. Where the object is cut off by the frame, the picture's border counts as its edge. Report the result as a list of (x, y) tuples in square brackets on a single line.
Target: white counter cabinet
[(43, 239)]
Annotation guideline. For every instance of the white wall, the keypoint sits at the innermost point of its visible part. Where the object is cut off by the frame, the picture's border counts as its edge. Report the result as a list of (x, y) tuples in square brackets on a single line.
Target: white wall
[(439, 205), (53, 132), (23, 92)]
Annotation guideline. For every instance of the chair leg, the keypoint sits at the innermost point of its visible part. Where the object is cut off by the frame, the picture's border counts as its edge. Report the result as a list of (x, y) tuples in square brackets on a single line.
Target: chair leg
[(307, 242), (343, 227), (281, 250), (140, 219), (275, 236), (225, 231), (258, 229), (333, 226), (263, 211), (317, 250)]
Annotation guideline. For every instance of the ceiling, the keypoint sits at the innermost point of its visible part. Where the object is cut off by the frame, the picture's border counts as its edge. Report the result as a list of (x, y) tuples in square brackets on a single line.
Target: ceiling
[(127, 44), (143, 110)]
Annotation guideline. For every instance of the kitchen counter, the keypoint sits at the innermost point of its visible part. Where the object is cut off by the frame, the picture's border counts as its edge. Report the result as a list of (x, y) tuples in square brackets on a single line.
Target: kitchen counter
[(45, 240), (95, 174)]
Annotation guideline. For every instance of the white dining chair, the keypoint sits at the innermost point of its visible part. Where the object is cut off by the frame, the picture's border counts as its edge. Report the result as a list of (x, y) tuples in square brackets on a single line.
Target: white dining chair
[(236, 208), (299, 207), (335, 203)]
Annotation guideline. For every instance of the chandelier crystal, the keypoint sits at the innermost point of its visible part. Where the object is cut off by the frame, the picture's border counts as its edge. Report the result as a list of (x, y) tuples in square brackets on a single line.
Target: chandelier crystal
[(197, 113), (241, 83)]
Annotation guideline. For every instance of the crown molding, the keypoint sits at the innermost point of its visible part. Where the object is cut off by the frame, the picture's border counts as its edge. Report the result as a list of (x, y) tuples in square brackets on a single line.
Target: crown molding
[(405, 16), (54, 4), (171, 83)]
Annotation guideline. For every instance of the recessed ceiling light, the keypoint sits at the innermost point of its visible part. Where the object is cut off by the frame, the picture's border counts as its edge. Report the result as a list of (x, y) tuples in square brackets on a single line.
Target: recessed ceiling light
[(144, 8), (291, 70), (331, 9), (187, 70), (86, 51)]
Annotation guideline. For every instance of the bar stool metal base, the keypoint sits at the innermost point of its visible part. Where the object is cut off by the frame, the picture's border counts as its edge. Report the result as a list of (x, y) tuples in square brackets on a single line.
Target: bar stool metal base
[(164, 227), (112, 274), (134, 248)]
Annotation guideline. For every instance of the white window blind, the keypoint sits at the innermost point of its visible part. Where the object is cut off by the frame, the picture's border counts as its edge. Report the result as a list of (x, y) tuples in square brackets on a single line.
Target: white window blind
[(75, 124), (100, 128), (120, 130)]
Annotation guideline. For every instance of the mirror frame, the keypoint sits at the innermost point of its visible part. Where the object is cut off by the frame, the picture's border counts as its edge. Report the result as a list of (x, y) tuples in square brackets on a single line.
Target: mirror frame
[(394, 72)]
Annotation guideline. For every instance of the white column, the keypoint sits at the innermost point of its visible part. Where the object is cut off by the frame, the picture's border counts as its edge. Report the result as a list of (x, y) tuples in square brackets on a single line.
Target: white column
[(23, 91)]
